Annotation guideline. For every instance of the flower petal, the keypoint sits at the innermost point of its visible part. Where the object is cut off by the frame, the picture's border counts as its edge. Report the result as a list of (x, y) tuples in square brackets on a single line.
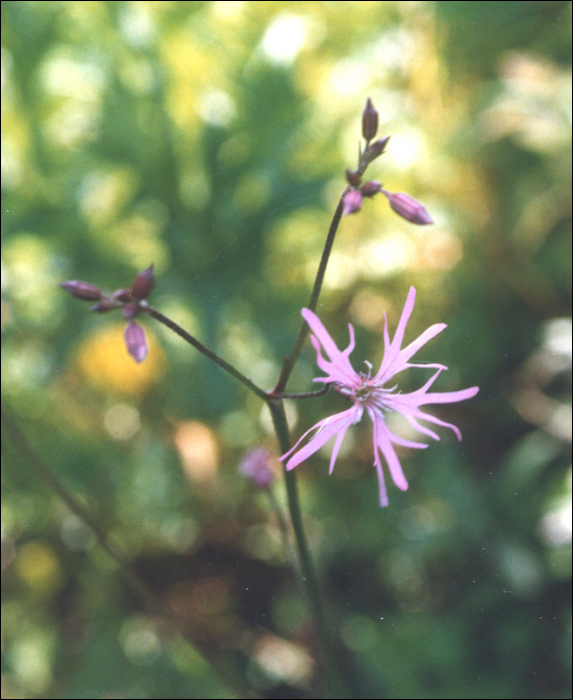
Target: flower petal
[(411, 349), (327, 428), (340, 371), (395, 360), (336, 447), (394, 347), (321, 333), (383, 443), (381, 485), (421, 428), (449, 396), (339, 368)]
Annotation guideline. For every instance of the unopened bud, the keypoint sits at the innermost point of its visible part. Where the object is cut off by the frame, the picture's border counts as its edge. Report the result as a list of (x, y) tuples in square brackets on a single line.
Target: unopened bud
[(376, 149), (256, 467), (369, 189), (107, 304), (135, 341), (82, 290), (369, 121), (130, 310), (122, 295), (352, 201), (352, 177), (143, 284), (408, 208)]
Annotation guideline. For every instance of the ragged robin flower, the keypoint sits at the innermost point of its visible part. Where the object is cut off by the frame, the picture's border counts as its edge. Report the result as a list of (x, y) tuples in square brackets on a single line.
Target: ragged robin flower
[(376, 396)]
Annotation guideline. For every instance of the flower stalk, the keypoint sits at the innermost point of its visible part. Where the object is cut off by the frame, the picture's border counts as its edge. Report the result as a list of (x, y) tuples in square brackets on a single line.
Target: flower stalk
[(338, 688), (369, 395), (182, 333), (290, 360)]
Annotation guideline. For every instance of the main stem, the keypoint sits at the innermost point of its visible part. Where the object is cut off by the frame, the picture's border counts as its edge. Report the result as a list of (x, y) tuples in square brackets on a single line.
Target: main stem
[(337, 684), (291, 359), (338, 688)]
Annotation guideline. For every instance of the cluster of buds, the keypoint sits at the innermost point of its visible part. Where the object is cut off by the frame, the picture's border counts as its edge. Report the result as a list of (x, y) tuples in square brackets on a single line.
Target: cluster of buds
[(131, 300), (404, 205)]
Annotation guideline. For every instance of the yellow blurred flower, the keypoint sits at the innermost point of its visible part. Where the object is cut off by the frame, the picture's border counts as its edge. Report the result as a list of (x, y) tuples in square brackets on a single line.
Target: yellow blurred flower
[(103, 360)]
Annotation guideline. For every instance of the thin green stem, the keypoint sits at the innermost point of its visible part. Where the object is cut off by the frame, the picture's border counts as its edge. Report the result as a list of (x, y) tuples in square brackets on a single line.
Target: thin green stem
[(158, 316), (337, 685), (338, 688), (309, 578), (302, 395), (291, 359)]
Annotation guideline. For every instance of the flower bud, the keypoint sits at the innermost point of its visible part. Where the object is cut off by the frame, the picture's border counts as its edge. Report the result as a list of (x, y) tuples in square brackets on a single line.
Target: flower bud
[(353, 178), (143, 284), (375, 149), (369, 189), (122, 295), (82, 290), (352, 201), (135, 341), (256, 467), (130, 310), (369, 121), (106, 304), (408, 208)]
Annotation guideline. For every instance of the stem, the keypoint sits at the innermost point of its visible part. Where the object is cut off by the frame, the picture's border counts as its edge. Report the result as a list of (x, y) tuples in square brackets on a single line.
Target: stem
[(290, 360), (133, 579), (302, 395), (158, 316), (276, 407), (338, 687)]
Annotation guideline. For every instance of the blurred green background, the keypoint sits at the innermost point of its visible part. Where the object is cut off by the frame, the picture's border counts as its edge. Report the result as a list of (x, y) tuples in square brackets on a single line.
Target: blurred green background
[(210, 138)]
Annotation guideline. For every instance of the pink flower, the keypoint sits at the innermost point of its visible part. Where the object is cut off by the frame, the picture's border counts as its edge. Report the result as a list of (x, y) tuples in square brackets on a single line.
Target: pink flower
[(370, 394), (256, 466)]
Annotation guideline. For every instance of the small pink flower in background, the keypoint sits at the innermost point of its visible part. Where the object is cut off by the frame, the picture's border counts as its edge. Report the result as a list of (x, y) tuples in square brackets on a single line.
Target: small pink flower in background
[(256, 466), (371, 394)]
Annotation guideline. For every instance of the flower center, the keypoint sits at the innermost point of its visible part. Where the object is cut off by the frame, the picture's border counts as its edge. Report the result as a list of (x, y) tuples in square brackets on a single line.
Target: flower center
[(364, 391), (367, 393)]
